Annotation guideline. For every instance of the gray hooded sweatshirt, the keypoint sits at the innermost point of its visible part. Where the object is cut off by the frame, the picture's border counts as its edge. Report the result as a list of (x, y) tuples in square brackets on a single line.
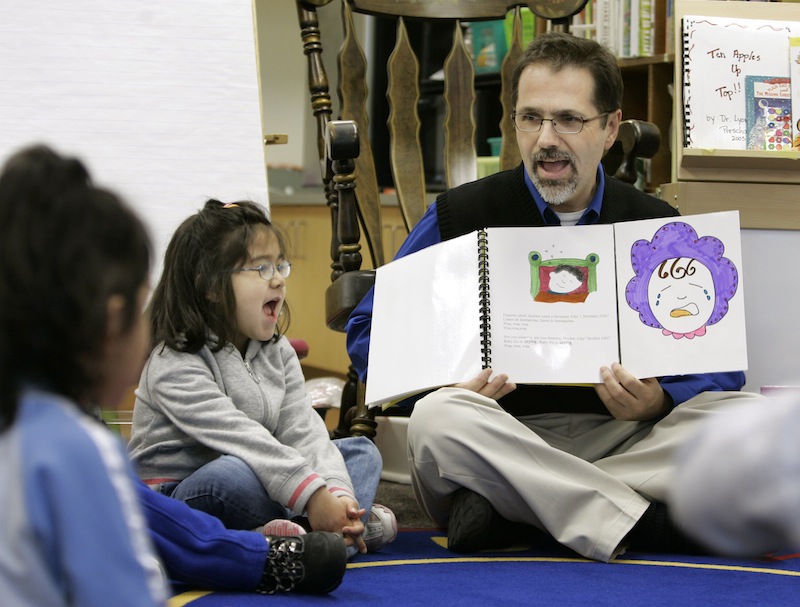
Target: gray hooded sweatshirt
[(192, 408)]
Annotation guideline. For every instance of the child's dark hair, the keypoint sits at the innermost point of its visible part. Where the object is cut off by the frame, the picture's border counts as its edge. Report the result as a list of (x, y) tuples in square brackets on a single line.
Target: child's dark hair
[(195, 294), (66, 246)]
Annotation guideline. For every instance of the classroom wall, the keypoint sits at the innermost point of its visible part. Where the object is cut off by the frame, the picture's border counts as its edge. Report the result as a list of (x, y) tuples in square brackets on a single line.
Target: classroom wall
[(772, 306)]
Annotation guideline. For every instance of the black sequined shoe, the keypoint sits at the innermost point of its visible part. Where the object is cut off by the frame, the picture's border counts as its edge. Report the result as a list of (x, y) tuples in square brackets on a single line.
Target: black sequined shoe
[(312, 563)]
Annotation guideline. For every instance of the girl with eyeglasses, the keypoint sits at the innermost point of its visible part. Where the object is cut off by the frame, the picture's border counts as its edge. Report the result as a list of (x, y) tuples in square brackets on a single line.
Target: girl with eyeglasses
[(222, 420)]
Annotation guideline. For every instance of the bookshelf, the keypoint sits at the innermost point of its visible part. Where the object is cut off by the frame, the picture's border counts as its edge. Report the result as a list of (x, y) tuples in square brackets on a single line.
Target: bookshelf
[(763, 186), (647, 81)]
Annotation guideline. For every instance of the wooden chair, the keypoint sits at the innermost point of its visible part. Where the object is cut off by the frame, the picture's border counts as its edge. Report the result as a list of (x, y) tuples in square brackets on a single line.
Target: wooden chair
[(347, 159)]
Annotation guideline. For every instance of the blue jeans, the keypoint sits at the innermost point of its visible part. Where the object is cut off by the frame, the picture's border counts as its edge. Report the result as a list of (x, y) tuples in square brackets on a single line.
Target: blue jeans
[(229, 489)]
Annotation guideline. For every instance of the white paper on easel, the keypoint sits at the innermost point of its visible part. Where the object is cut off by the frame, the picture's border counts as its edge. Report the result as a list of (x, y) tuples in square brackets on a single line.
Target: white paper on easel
[(160, 99)]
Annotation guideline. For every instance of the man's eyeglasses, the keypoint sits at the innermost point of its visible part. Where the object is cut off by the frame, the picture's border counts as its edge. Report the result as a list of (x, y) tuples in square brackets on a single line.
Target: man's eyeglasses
[(564, 125), (267, 269)]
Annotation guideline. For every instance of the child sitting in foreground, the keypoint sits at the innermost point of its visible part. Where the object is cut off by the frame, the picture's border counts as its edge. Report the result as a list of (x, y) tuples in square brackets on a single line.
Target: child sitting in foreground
[(222, 420), (74, 265)]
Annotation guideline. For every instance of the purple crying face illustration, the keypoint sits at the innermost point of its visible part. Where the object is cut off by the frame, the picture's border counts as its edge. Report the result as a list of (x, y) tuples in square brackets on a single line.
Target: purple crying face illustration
[(682, 283)]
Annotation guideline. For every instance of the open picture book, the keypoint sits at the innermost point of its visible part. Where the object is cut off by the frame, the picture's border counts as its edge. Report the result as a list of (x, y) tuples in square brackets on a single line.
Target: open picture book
[(552, 305)]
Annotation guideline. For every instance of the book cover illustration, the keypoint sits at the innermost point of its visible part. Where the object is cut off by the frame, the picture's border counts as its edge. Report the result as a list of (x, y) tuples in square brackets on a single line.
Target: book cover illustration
[(769, 113), (718, 55)]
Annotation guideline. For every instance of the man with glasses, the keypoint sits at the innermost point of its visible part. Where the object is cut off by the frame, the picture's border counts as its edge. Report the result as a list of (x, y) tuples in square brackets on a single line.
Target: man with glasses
[(590, 466)]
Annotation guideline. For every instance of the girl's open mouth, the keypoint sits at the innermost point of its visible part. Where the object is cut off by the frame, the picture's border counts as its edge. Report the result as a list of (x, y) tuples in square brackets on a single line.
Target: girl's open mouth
[(271, 308)]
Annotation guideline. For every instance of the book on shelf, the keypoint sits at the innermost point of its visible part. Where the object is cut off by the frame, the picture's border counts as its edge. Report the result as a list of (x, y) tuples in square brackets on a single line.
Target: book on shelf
[(604, 20), (630, 28), (628, 33), (718, 55), (646, 28), (582, 23), (769, 113), (668, 17), (553, 305)]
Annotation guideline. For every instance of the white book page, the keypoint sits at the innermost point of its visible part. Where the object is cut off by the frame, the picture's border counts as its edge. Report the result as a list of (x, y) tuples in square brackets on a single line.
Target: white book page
[(684, 311), (541, 331), (425, 322)]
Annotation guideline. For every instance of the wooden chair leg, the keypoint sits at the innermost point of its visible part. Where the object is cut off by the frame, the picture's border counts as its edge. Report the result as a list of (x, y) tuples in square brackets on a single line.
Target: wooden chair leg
[(363, 423), (355, 419), (348, 406)]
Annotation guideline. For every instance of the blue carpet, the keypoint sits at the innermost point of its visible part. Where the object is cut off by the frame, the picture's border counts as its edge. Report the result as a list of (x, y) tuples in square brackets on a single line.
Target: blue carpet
[(417, 570)]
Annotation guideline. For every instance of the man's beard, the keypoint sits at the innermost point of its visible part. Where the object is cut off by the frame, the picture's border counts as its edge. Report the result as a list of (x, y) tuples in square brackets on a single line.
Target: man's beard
[(554, 191)]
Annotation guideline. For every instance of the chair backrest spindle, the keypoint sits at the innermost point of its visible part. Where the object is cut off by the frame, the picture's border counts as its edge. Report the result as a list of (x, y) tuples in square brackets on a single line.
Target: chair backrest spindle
[(460, 155), (404, 126), (353, 102)]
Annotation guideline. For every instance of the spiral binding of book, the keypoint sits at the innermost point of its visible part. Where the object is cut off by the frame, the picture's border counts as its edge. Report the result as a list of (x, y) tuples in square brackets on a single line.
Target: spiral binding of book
[(687, 82), (483, 286)]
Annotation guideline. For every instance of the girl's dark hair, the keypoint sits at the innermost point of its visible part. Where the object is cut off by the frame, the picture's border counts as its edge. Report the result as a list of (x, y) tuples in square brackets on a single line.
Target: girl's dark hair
[(66, 246), (558, 50), (194, 294)]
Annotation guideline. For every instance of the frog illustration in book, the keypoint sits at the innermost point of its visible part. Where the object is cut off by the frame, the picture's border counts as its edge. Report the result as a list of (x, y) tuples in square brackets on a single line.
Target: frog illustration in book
[(682, 283), (562, 279)]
